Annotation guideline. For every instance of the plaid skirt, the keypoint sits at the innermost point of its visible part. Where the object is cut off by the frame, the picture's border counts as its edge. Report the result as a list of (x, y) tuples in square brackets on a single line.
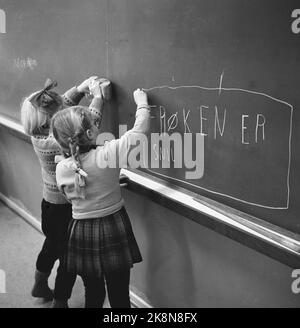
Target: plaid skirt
[(101, 246)]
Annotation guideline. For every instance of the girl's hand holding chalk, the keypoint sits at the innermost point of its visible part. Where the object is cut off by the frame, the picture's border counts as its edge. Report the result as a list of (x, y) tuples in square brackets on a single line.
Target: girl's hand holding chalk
[(140, 97), (84, 86)]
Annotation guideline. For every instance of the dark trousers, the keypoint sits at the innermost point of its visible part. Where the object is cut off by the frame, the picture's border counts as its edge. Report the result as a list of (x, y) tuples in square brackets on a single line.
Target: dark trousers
[(117, 284), (55, 221)]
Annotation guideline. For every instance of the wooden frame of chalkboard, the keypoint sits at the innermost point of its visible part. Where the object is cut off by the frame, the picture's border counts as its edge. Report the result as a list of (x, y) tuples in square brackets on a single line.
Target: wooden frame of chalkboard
[(266, 238)]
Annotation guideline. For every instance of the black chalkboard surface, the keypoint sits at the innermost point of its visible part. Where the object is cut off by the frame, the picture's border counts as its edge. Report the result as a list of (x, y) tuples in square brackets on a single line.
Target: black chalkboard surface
[(225, 68)]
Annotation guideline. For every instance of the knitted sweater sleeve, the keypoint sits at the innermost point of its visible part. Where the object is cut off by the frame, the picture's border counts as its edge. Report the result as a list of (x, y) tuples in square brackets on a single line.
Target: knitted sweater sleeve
[(96, 108), (72, 97)]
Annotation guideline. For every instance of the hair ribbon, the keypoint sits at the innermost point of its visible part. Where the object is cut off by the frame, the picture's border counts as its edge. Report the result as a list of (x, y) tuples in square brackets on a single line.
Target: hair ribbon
[(79, 175), (45, 97)]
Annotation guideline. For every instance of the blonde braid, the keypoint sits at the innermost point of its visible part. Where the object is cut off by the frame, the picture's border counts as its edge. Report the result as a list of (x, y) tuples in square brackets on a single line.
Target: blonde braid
[(69, 128), (80, 175)]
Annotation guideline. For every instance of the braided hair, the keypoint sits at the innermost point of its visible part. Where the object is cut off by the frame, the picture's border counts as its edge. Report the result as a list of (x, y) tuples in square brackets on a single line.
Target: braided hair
[(69, 128)]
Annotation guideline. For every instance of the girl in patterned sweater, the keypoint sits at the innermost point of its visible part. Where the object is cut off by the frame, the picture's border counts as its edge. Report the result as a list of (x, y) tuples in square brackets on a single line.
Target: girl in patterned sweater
[(36, 113)]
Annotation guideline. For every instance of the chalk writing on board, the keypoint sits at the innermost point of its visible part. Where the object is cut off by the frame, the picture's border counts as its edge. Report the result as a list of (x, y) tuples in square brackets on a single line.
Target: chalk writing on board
[(220, 84), (24, 63), (217, 122), (251, 135), (170, 123)]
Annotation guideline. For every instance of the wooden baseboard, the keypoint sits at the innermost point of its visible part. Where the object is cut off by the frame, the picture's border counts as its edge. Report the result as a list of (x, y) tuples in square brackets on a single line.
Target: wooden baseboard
[(136, 301)]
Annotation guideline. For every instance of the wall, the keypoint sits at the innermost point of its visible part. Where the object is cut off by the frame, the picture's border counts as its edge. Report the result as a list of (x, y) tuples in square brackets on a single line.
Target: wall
[(188, 265), (20, 178), (185, 264)]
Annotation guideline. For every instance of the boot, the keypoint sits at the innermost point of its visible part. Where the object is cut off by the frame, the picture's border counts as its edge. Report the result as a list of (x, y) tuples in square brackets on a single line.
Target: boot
[(40, 287), (60, 304)]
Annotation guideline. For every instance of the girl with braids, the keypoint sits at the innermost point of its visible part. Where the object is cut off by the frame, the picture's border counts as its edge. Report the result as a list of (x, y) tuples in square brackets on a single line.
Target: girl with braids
[(36, 113), (101, 246)]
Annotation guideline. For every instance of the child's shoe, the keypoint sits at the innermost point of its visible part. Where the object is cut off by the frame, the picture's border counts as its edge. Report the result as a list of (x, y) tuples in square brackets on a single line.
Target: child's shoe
[(40, 287)]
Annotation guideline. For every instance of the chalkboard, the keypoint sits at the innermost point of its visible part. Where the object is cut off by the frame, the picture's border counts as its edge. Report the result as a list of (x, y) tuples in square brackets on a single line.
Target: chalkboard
[(225, 68)]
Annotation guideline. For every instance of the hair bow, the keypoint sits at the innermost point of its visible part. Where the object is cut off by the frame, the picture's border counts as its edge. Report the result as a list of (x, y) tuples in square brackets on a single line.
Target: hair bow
[(45, 97), (80, 176)]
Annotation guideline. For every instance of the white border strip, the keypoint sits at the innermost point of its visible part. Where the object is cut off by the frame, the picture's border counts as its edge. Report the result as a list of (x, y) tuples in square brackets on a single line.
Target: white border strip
[(135, 300), (187, 200)]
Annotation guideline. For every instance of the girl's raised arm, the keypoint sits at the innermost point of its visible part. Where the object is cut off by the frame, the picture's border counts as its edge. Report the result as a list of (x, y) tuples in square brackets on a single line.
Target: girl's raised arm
[(73, 96), (116, 151)]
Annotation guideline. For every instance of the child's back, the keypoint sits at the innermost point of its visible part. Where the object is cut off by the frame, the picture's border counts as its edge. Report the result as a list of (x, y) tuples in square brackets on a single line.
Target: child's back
[(100, 194), (46, 148), (102, 190)]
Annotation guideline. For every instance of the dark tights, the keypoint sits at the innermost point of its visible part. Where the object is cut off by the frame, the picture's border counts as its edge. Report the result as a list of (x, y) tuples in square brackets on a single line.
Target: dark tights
[(55, 221), (117, 284)]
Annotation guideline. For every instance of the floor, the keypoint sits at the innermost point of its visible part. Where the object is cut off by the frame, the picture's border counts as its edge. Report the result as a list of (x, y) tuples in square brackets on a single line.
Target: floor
[(19, 246)]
